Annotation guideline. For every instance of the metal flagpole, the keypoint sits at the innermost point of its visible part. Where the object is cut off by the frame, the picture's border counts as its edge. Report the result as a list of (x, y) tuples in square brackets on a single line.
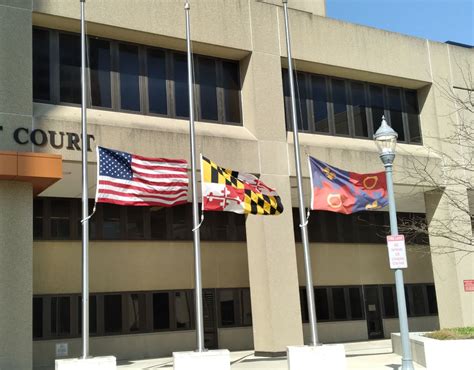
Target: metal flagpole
[(197, 241), (303, 220), (85, 196)]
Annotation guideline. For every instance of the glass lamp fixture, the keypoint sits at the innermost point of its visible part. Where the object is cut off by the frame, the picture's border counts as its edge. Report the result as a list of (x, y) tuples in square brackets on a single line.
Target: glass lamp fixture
[(385, 138)]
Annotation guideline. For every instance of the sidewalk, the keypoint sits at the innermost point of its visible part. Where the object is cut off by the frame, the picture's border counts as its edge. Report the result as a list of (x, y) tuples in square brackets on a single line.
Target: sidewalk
[(370, 355)]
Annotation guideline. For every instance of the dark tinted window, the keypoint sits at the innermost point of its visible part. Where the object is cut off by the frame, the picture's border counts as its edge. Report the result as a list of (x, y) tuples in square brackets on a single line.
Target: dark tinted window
[(432, 303), (355, 300), (180, 76), (339, 303), (231, 82), (99, 62), (182, 310), (156, 64), (60, 316), (161, 311), (92, 314), (340, 107), (418, 299), (136, 314), (246, 307), (388, 301), (113, 313), (111, 221), (227, 307), (413, 113), (396, 120), (301, 96), (38, 218), (60, 218), (70, 68), (322, 306), (37, 317), (129, 77), (377, 105), (179, 225), (320, 107), (158, 223), (41, 64), (135, 223), (358, 107), (208, 89)]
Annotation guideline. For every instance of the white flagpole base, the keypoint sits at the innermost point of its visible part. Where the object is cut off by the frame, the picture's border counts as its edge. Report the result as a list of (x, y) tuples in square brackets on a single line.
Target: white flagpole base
[(208, 360), (93, 363), (328, 356)]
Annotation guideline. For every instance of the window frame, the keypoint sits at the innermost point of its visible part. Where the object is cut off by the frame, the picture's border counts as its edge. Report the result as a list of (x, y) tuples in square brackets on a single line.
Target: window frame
[(54, 79), (371, 126)]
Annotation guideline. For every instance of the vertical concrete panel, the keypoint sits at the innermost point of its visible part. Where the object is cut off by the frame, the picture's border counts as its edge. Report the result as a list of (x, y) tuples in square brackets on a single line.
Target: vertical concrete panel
[(451, 265), (15, 59), (273, 276), (16, 241)]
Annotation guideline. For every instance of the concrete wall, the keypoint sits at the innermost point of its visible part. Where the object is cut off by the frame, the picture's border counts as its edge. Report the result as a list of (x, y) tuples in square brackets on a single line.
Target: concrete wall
[(16, 260), (416, 324)]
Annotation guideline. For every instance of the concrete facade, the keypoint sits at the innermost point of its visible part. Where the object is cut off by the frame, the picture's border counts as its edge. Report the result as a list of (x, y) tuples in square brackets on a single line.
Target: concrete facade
[(270, 263)]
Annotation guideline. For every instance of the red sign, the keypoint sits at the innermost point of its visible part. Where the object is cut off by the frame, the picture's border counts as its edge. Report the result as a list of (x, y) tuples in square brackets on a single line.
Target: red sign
[(469, 285)]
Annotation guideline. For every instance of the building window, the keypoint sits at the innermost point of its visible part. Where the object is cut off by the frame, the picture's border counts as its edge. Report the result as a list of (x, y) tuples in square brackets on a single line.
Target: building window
[(234, 307), (100, 71), (157, 91), (60, 316), (136, 311), (41, 64), (182, 310), (37, 317), (69, 68), (420, 300), (112, 313), (351, 108), (432, 303), (161, 311), (361, 227), (59, 218), (134, 78), (92, 314), (129, 77)]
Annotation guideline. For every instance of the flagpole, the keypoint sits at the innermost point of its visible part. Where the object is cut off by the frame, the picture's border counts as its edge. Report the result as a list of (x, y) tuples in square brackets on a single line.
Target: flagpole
[(196, 235), (85, 195), (303, 220)]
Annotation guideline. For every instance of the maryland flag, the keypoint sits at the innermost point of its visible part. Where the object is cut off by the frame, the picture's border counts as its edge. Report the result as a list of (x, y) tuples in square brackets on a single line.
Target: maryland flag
[(346, 192), (232, 191)]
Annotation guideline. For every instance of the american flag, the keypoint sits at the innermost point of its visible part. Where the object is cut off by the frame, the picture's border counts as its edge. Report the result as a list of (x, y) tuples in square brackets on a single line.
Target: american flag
[(129, 179)]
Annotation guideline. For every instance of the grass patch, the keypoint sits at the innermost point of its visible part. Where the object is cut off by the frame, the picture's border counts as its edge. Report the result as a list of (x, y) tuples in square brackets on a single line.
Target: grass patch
[(452, 333)]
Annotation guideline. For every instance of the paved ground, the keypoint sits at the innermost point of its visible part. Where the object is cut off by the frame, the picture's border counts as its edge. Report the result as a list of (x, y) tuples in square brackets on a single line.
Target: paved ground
[(369, 355)]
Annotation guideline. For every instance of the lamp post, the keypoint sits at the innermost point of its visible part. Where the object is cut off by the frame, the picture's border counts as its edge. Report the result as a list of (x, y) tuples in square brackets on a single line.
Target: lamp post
[(386, 139)]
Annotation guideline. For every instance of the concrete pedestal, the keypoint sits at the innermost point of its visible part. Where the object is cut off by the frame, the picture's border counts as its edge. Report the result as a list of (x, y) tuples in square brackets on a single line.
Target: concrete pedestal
[(209, 360), (329, 356), (93, 363)]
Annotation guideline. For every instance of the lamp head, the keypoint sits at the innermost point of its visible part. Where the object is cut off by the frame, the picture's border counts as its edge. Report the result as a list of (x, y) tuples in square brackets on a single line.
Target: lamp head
[(385, 138)]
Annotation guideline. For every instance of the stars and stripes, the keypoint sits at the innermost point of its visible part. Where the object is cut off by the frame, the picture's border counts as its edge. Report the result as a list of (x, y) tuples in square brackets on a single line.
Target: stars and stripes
[(129, 179)]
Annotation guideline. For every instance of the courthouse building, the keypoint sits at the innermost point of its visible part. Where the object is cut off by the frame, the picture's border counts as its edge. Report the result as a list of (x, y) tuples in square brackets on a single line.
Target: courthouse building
[(141, 258)]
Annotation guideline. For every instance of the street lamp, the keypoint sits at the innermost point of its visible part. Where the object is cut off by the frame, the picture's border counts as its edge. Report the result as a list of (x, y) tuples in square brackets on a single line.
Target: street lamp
[(386, 139)]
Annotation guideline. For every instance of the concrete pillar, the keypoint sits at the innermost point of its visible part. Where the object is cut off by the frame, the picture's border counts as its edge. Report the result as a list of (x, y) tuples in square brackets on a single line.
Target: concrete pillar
[(273, 270), (16, 274), (448, 223)]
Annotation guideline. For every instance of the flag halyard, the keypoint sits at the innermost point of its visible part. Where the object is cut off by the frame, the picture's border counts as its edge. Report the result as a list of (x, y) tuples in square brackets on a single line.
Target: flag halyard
[(129, 179)]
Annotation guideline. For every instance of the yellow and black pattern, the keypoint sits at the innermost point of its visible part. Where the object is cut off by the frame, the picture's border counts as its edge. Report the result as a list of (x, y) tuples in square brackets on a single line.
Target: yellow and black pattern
[(254, 201)]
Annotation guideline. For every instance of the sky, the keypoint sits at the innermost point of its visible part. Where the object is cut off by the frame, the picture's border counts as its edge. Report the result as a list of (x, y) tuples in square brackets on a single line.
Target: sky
[(438, 20)]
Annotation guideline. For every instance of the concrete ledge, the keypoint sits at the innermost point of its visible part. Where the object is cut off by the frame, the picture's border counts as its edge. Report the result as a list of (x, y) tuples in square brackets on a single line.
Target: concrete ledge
[(93, 363), (437, 354), (209, 360), (329, 356)]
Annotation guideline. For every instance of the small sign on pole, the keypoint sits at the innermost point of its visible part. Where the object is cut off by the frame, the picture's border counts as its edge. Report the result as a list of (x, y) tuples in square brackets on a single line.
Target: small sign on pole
[(469, 285), (397, 252)]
